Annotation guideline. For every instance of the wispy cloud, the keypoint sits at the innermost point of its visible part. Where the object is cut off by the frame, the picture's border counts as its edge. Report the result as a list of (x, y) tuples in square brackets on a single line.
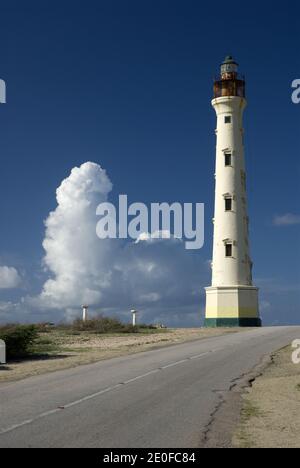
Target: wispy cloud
[(287, 219), (277, 286), (264, 305)]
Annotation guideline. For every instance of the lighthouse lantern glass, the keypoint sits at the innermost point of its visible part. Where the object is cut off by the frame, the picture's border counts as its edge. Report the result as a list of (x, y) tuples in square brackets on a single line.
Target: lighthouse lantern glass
[(229, 68)]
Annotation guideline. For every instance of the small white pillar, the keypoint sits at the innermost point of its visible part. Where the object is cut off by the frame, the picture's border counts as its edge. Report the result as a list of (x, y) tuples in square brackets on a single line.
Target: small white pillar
[(85, 309), (2, 92), (134, 312), (2, 352)]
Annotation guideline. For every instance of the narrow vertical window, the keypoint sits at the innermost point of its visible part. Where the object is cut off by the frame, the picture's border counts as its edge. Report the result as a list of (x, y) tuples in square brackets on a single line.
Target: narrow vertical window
[(227, 119), (228, 204), (243, 179), (228, 250), (228, 159)]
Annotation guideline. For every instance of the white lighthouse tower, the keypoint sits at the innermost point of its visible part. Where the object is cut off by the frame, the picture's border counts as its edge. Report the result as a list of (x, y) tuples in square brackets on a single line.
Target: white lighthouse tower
[(231, 300)]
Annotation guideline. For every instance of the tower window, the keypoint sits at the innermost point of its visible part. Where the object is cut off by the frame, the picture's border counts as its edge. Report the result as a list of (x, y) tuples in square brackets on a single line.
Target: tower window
[(228, 159), (228, 204), (227, 119), (243, 179), (228, 250)]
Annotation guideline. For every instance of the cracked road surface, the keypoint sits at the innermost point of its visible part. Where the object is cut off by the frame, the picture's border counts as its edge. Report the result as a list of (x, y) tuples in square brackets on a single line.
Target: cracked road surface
[(166, 397)]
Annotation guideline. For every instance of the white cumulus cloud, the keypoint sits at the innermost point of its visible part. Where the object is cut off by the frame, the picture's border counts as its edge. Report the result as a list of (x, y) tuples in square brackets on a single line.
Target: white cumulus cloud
[(9, 278), (112, 276), (76, 261)]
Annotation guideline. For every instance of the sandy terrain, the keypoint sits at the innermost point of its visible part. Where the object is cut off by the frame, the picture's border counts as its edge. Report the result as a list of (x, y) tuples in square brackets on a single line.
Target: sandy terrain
[(85, 348), (270, 416)]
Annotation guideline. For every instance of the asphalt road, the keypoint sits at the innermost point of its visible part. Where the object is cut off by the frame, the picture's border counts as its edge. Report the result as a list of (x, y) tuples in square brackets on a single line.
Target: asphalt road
[(160, 398)]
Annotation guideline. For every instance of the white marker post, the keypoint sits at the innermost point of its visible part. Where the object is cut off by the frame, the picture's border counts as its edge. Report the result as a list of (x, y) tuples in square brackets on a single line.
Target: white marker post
[(2, 352), (2, 92), (85, 309), (134, 312)]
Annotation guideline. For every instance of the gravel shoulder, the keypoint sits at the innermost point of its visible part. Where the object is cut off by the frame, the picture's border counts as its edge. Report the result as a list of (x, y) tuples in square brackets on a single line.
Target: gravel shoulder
[(270, 408)]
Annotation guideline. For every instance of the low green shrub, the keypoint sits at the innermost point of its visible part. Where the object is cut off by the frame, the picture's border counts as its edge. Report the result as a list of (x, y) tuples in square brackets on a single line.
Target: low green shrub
[(98, 325), (128, 328), (18, 339), (102, 324)]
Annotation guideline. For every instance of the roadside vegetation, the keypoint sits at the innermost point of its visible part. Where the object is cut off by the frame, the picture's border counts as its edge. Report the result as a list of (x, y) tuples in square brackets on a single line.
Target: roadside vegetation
[(19, 339), (23, 341)]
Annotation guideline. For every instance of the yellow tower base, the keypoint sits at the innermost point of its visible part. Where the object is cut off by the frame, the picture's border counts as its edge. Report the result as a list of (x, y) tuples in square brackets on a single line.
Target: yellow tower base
[(232, 306)]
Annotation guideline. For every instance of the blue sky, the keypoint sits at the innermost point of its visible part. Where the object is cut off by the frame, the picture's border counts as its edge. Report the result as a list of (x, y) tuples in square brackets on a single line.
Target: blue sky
[(128, 85)]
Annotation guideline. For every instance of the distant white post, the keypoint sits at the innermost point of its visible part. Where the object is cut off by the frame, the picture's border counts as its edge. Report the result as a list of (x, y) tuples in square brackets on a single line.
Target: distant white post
[(2, 92), (85, 309), (134, 312), (2, 352)]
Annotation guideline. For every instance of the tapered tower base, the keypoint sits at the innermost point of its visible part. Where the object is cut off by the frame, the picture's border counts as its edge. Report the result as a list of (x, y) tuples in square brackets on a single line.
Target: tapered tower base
[(231, 322), (232, 306)]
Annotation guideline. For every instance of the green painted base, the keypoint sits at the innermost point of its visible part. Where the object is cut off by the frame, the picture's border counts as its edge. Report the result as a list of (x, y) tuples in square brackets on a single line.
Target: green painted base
[(232, 322)]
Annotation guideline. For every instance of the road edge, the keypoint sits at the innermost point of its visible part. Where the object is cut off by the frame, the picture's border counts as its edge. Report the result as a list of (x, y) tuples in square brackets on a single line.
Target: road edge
[(225, 418)]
